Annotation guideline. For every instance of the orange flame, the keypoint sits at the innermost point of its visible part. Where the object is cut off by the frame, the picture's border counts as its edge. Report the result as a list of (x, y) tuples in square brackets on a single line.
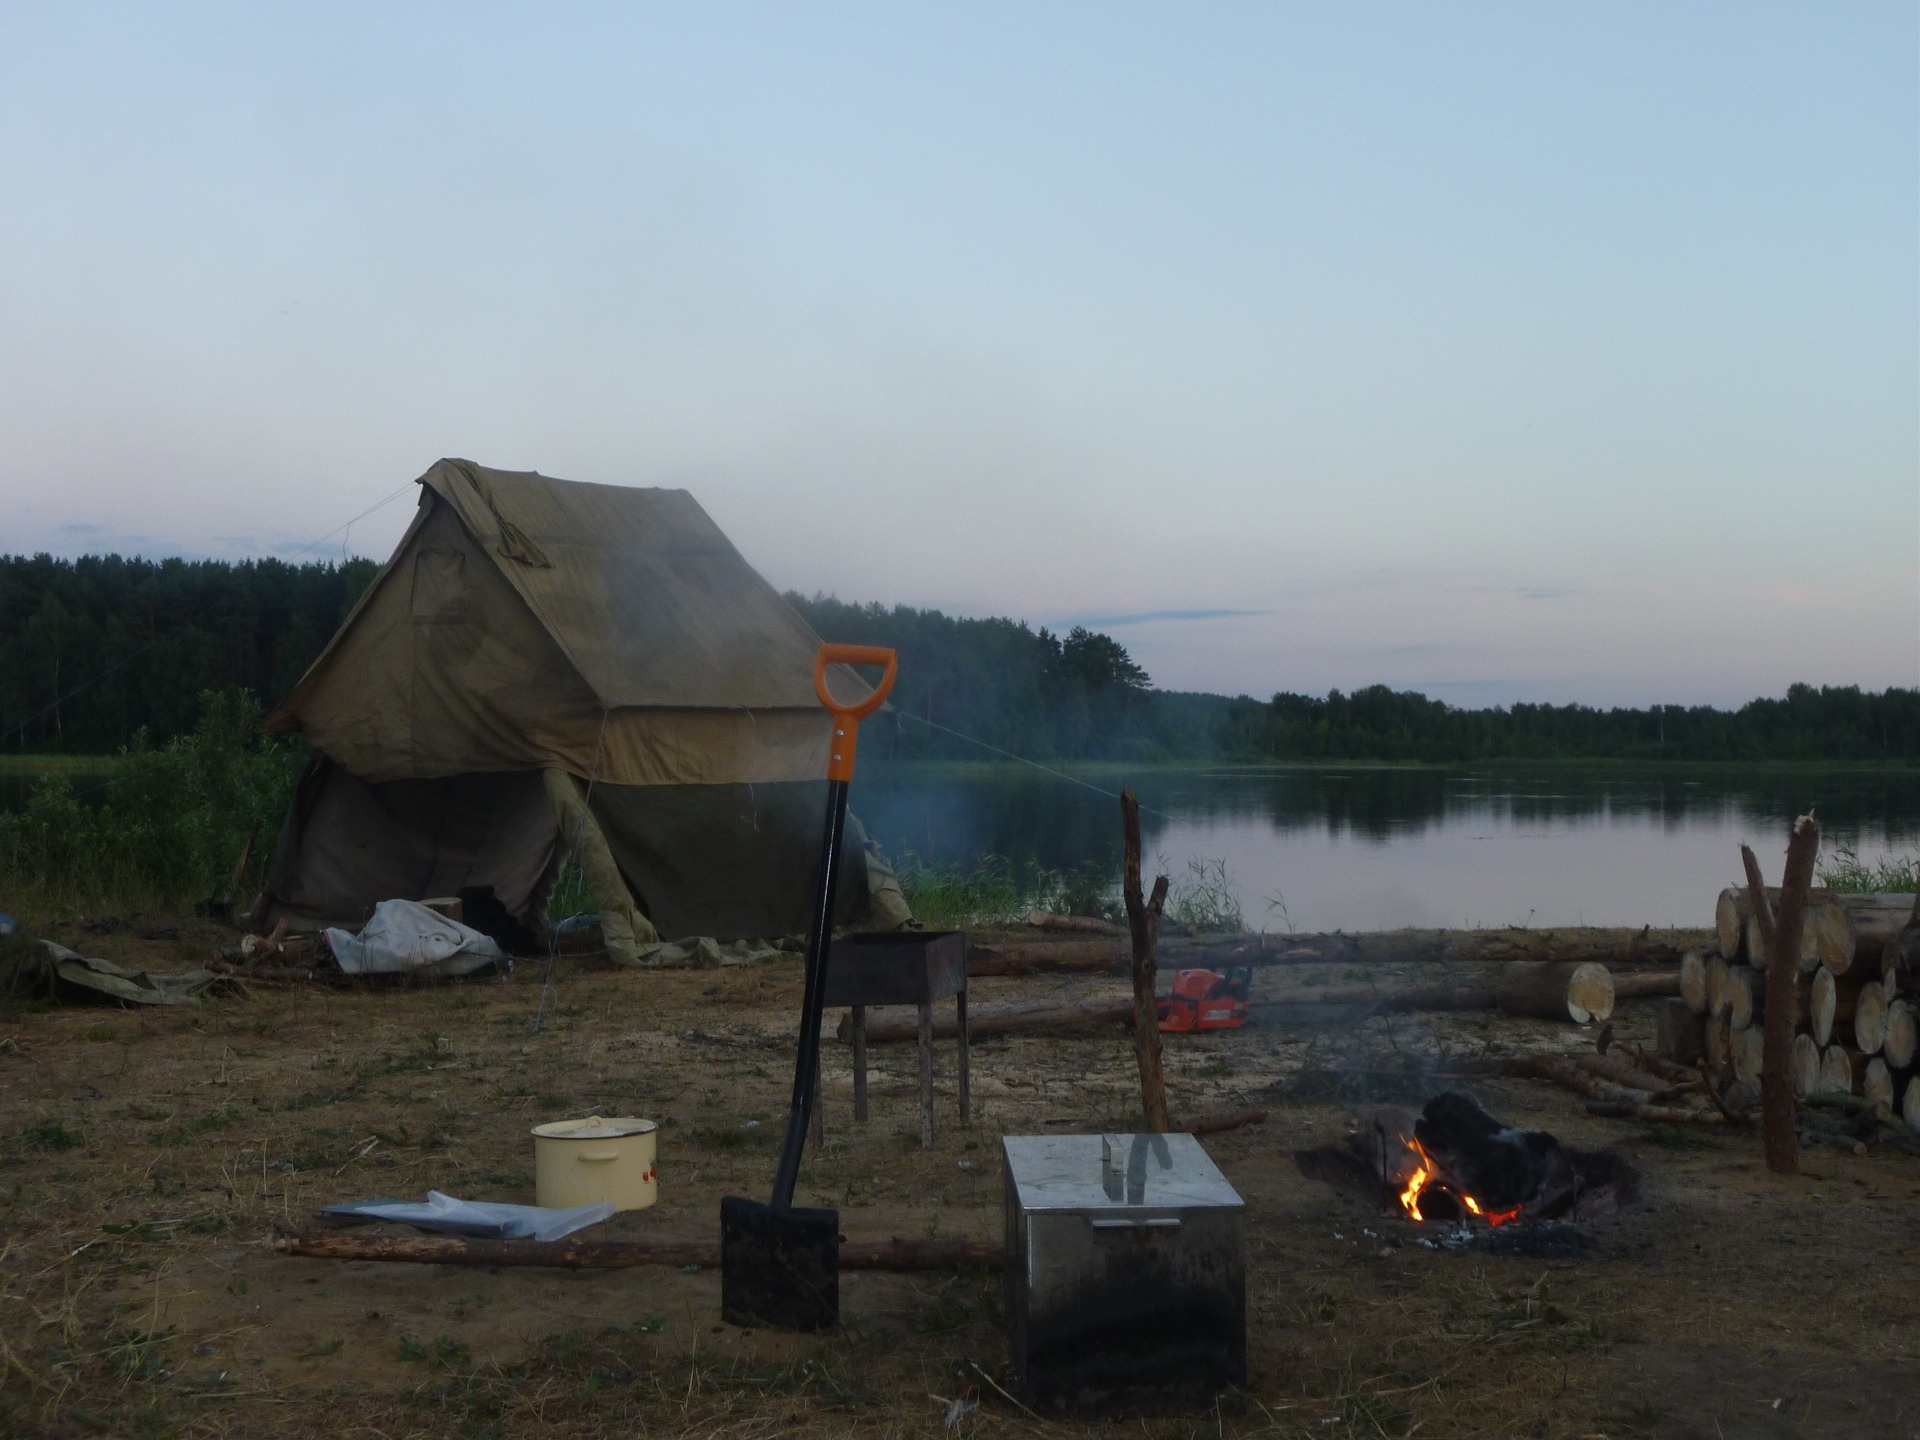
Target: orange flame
[(1426, 1173)]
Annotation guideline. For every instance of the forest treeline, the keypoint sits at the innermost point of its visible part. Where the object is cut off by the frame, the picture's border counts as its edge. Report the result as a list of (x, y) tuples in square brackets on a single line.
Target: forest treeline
[(96, 649)]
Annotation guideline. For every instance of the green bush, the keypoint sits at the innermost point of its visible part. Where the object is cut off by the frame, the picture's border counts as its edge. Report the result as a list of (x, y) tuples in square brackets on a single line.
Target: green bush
[(166, 830)]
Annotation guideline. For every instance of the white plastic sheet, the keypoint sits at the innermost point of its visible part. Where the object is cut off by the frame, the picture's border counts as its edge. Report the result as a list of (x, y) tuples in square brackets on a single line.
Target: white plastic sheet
[(404, 937), (482, 1219)]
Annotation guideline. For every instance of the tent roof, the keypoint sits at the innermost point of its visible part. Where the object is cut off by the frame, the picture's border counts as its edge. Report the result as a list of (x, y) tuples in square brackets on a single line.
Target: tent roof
[(640, 589)]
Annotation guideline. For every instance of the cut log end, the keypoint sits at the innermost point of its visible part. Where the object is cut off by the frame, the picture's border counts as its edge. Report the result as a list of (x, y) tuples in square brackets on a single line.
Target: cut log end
[(1803, 1065), (1902, 1035), (1693, 981), (1876, 1085), (1589, 993), (1870, 1019)]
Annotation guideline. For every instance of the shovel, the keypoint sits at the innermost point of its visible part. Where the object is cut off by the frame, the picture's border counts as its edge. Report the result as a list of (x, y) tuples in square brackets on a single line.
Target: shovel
[(780, 1266)]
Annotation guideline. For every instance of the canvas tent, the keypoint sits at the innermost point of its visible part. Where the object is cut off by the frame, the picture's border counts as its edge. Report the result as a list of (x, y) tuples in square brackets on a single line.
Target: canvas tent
[(543, 667)]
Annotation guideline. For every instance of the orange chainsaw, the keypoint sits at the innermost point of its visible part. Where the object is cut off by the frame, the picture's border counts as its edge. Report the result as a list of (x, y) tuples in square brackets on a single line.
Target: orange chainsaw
[(1207, 1000)]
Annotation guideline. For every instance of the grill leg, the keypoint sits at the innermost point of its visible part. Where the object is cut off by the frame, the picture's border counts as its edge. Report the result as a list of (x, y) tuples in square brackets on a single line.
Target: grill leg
[(860, 1063), (966, 1060), (926, 1076)]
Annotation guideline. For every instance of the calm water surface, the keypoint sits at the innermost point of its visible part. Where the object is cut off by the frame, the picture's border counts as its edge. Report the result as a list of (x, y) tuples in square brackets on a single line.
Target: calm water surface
[(1378, 847), (1375, 847)]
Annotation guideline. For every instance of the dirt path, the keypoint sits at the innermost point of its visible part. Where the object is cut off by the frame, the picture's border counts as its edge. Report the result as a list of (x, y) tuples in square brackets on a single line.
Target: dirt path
[(145, 1157)]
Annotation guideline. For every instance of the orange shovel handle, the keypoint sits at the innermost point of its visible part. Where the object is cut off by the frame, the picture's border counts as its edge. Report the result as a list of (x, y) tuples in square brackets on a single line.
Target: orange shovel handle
[(847, 718)]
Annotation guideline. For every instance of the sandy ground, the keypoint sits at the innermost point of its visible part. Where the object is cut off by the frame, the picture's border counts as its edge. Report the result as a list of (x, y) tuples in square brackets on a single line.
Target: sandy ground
[(146, 1157)]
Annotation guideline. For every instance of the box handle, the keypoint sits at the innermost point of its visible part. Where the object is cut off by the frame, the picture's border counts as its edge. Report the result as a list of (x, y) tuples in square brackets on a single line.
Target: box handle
[(1162, 1222)]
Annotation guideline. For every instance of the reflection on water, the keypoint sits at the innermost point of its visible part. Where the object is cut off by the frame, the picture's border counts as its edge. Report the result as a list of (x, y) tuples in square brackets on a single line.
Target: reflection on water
[(1369, 847)]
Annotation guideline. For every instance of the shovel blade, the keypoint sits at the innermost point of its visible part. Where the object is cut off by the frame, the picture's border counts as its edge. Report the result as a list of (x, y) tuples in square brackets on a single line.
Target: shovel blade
[(779, 1268)]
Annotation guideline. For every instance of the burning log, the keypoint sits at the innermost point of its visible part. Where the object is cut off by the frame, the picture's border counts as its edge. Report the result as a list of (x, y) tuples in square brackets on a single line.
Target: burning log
[(908, 1255), (1850, 932)]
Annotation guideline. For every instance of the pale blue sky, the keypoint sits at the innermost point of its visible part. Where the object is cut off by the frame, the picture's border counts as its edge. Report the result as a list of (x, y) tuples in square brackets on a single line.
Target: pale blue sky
[(1502, 351)]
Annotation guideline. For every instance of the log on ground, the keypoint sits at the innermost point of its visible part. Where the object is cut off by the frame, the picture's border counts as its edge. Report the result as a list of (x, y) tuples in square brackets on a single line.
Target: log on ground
[(906, 1255), (1851, 932)]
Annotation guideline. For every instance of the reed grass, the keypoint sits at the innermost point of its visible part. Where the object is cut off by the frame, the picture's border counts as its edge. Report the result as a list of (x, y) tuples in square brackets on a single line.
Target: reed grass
[(1845, 870)]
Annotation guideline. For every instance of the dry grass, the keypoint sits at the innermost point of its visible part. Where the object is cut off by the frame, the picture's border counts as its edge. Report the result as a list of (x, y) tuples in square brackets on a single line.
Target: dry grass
[(146, 1157)]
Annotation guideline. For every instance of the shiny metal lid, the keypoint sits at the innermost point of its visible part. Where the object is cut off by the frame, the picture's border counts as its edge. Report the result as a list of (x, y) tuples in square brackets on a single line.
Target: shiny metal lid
[(1075, 1173)]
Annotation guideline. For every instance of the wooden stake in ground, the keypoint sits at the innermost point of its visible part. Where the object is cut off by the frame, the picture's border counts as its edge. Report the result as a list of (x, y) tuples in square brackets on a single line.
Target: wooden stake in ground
[(1781, 1140), (1143, 921)]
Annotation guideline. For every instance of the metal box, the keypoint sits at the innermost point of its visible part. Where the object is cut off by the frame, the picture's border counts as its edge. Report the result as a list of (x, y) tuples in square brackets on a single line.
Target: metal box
[(903, 967), (1125, 1272)]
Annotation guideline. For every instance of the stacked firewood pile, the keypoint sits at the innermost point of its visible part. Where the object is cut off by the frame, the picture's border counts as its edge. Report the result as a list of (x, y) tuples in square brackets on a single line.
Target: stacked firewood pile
[(1855, 1006)]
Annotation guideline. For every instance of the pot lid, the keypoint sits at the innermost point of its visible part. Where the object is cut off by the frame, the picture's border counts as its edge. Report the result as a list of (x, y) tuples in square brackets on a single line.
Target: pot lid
[(596, 1127)]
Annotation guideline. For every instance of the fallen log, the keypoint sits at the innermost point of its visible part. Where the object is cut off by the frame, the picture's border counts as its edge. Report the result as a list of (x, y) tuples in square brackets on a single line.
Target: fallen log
[(1850, 932), (1217, 1122), (1014, 1017), (1664, 1114), (1561, 1071), (1617, 949), (1087, 924), (1580, 992), (1622, 1070), (1732, 913), (1646, 985), (910, 1255)]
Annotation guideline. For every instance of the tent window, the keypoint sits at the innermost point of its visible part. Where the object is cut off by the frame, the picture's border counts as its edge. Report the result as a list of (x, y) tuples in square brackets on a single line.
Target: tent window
[(439, 585)]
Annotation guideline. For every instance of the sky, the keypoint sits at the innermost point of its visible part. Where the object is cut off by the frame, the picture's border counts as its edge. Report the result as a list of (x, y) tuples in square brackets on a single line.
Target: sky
[(1501, 351)]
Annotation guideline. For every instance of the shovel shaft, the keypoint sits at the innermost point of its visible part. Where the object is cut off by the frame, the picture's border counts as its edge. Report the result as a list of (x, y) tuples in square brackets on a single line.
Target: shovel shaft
[(814, 1004)]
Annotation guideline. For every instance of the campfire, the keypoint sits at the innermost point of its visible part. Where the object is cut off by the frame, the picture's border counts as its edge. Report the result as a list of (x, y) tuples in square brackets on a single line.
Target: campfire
[(1455, 1164)]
